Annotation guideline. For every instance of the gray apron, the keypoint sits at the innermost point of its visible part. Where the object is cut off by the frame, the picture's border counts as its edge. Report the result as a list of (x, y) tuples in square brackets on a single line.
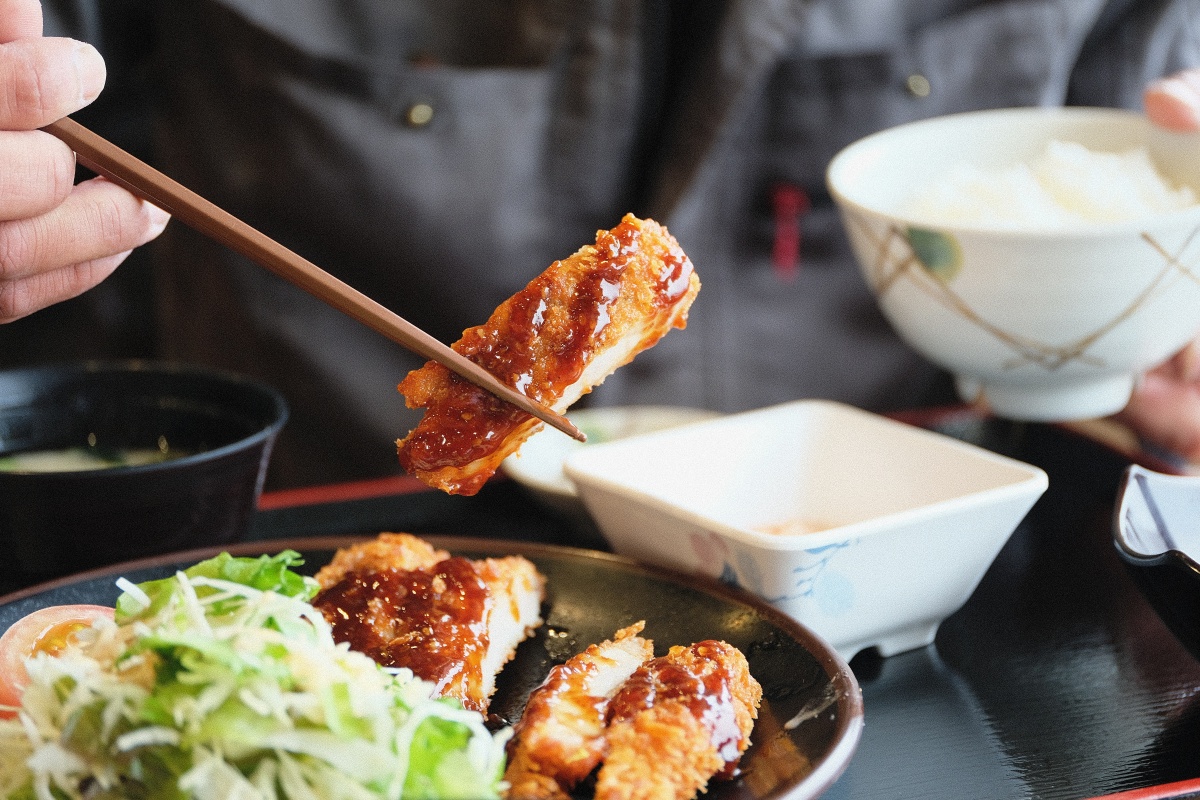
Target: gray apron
[(437, 155)]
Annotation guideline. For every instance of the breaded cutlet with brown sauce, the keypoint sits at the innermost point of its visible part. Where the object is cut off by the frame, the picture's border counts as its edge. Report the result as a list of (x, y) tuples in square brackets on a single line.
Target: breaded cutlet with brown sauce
[(553, 341), (453, 621), (560, 737)]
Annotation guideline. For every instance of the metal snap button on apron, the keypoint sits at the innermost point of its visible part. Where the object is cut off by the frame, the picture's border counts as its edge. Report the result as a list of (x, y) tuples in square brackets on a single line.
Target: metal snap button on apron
[(418, 115), (917, 85)]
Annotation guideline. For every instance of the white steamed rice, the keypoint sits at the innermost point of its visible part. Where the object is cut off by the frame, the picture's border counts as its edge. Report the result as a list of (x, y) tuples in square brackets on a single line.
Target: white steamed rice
[(1067, 185)]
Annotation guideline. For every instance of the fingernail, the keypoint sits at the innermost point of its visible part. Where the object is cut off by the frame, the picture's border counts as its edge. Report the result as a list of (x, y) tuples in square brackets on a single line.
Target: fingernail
[(1182, 90), (158, 218), (89, 70), (1186, 101)]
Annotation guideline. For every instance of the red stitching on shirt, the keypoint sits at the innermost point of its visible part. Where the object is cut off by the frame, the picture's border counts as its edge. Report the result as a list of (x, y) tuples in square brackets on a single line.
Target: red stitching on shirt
[(789, 203)]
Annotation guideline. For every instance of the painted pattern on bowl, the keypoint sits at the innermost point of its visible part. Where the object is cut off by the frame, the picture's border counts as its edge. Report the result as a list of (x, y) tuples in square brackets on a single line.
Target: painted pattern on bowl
[(1048, 323)]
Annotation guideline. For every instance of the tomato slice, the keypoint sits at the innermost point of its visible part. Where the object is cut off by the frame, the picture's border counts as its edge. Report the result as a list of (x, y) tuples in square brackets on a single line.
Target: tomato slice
[(47, 630)]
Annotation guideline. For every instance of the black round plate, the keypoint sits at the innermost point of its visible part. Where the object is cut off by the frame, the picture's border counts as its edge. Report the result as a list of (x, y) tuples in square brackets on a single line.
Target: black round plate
[(811, 717)]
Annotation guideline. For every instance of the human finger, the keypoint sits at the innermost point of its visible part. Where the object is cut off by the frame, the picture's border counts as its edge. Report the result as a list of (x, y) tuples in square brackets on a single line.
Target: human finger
[(1183, 367), (1166, 413), (42, 80), (1173, 102), (97, 219), (1165, 407), (36, 173), (20, 19), (22, 297), (1186, 363)]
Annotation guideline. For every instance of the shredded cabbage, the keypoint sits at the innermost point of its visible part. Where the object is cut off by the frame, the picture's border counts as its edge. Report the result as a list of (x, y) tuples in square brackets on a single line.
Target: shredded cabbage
[(224, 683)]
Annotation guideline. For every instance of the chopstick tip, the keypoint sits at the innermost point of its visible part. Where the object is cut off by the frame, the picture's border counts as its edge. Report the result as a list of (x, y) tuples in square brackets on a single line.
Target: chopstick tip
[(566, 426)]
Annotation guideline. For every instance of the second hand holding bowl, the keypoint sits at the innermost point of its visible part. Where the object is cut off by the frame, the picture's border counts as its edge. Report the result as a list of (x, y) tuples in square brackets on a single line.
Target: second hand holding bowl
[(1045, 323)]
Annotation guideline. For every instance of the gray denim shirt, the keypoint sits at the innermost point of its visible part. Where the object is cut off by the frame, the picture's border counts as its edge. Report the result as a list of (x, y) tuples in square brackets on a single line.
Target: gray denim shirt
[(437, 155)]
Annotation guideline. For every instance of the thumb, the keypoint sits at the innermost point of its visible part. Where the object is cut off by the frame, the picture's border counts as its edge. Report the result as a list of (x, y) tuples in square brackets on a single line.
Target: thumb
[(1173, 102)]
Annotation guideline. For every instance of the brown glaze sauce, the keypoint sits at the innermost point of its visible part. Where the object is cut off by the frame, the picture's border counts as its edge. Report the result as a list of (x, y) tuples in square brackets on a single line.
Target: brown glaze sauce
[(431, 621), (707, 694), (566, 684), (674, 279), (469, 423), (466, 424)]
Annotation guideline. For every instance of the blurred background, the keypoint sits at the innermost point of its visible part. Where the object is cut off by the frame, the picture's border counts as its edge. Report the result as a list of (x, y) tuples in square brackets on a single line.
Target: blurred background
[(438, 155)]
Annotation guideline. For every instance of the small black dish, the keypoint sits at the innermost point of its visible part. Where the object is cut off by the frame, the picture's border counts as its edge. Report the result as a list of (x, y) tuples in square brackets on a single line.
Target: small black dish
[(220, 426), (1156, 529)]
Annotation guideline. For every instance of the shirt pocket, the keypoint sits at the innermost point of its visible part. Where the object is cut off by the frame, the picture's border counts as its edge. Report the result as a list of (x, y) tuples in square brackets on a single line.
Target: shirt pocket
[(994, 54), (408, 178)]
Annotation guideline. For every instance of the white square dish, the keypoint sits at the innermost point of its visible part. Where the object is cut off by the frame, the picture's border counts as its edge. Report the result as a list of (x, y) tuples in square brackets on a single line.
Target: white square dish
[(904, 521)]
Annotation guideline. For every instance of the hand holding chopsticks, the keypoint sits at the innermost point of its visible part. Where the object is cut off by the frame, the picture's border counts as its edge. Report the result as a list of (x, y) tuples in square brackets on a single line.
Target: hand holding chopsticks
[(103, 157)]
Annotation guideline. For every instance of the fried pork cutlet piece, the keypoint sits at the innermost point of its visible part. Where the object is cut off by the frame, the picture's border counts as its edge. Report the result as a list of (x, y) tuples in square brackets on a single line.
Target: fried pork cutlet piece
[(517, 590), (385, 551), (452, 621), (677, 722), (559, 739), (555, 340)]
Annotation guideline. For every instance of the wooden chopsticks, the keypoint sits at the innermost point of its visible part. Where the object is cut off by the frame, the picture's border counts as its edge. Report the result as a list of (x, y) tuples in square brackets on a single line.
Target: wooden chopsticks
[(105, 158)]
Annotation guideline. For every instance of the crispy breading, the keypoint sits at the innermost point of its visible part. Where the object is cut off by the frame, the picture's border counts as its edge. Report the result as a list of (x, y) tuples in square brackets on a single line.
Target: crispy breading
[(517, 589), (386, 551), (455, 622), (560, 737), (661, 753), (555, 340), (678, 721)]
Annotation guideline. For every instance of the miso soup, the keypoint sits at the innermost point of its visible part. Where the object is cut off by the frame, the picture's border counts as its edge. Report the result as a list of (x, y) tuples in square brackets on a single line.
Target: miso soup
[(74, 459)]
